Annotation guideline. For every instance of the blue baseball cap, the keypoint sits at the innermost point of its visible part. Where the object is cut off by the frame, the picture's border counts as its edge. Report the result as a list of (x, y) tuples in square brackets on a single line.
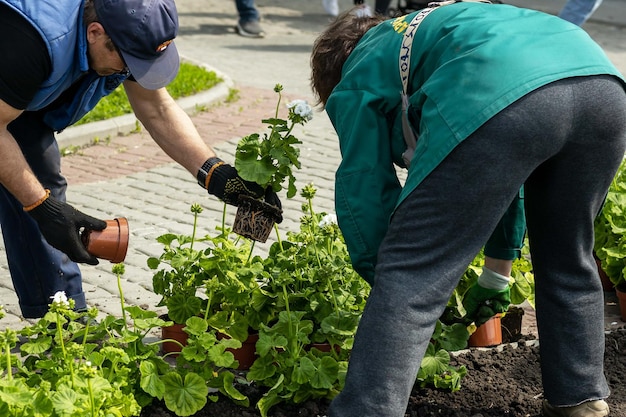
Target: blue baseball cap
[(143, 31)]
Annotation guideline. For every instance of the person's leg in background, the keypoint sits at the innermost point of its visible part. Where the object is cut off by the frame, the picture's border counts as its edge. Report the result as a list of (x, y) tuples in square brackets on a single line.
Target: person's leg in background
[(248, 21), (37, 269), (382, 7), (578, 11)]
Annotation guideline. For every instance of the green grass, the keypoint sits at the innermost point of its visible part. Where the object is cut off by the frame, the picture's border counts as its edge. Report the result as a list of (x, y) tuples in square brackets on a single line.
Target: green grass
[(191, 79)]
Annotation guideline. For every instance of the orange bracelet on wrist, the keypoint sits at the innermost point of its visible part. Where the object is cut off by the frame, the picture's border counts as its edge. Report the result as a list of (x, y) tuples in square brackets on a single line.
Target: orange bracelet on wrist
[(38, 202), (208, 175)]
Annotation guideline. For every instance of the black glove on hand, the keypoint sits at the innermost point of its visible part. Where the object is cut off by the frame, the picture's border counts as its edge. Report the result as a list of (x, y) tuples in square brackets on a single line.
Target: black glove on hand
[(222, 180), (61, 223)]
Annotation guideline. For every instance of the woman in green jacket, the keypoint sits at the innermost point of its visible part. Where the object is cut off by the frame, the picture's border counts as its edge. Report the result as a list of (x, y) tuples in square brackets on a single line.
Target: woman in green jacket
[(499, 98)]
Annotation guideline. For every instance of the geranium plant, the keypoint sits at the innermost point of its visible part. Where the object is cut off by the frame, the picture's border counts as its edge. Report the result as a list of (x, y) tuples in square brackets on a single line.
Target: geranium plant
[(610, 231), (181, 274), (269, 159)]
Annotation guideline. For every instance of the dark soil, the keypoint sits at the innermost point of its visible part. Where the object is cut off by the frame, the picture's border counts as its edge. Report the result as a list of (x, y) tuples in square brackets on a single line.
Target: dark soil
[(503, 381)]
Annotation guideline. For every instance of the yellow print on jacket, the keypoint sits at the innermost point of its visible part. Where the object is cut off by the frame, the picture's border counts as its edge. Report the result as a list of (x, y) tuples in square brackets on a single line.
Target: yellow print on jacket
[(400, 24)]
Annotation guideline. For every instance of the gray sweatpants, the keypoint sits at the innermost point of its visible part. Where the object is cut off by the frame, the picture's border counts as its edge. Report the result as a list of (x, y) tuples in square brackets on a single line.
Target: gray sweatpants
[(563, 143)]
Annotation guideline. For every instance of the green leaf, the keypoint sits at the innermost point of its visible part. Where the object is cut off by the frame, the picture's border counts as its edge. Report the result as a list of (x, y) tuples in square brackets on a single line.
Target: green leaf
[(434, 363), (196, 326), (228, 388), (181, 307), (38, 346), (340, 323), (150, 380), (304, 371), (185, 397), (270, 398), (453, 337), (15, 393), (41, 405), (153, 263), (326, 373), (263, 368), (450, 380), (66, 401)]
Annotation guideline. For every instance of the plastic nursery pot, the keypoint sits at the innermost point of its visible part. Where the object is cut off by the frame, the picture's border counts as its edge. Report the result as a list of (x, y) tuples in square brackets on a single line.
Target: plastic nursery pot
[(173, 332), (255, 218), (110, 243), (487, 334)]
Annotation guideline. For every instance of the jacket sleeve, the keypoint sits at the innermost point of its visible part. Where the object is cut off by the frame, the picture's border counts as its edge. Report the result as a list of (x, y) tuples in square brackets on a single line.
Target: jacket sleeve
[(366, 184), (507, 239)]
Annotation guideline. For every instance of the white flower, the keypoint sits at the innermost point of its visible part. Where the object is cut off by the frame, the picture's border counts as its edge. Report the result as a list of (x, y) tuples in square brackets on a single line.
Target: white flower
[(60, 298), (301, 108), (328, 220)]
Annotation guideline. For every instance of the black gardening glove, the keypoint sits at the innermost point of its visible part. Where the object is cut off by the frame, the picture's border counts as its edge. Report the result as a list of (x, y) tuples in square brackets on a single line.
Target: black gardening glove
[(222, 180), (61, 224)]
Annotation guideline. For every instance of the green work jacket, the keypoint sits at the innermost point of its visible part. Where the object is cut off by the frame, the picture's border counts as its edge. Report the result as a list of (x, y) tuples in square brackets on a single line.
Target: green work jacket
[(468, 62)]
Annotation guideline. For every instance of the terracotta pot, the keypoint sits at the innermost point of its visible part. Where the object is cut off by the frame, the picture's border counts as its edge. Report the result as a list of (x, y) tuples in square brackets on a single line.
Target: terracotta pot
[(110, 243), (246, 354), (174, 332), (621, 298), (607, 285), (488, 334), (255, 218)]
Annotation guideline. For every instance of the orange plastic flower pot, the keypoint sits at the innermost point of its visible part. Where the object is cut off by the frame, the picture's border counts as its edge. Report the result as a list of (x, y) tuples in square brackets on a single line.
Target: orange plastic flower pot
[(488, 334), (110, 243)]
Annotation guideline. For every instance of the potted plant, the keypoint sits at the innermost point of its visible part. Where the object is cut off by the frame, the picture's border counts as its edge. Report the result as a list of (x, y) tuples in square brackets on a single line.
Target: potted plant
[(178, 280), (610, 236), (208, 277), (269, 160)]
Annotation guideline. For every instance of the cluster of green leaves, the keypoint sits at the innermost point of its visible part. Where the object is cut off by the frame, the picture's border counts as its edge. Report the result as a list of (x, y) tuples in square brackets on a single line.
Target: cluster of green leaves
[(191, 79), (215, 277), (269, 159), (319, 299), (435, 369), (610, 231), (70, 365)]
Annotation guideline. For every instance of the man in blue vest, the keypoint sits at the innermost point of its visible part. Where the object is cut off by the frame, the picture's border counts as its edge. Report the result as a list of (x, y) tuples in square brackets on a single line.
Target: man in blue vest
[(60, 57)]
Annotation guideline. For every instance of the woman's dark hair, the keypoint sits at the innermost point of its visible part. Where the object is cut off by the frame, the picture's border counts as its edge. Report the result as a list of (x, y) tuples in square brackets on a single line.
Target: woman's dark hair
[(332, 48)]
